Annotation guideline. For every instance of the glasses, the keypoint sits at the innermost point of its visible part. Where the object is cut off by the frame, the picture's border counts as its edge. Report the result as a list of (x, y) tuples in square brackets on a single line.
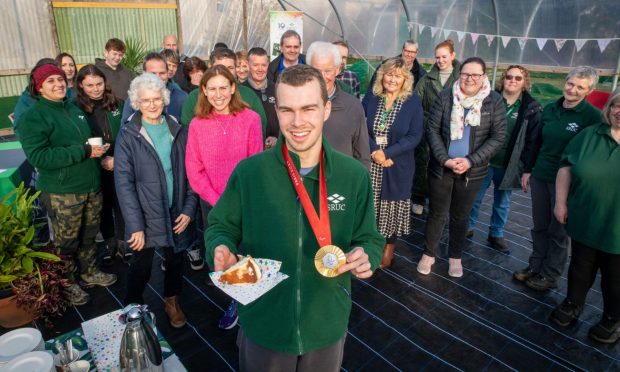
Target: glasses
[(513, 77), (410, 51), (474, 77), (154, 101)]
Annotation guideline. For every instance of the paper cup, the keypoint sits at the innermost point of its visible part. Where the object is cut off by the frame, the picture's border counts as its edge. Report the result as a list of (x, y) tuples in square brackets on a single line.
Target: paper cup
[(95, 141)]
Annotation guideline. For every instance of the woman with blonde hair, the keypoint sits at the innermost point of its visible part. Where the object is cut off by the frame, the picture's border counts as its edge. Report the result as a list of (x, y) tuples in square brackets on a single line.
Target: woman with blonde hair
[(394, 117)]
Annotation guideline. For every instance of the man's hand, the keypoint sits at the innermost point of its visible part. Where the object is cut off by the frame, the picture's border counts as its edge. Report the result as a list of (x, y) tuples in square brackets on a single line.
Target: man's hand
[(136, 241), (357, 263), (223, 258)]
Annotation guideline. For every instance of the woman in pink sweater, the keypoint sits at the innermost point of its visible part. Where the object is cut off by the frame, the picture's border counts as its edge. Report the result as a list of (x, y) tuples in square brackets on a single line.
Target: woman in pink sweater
[(223, 132)]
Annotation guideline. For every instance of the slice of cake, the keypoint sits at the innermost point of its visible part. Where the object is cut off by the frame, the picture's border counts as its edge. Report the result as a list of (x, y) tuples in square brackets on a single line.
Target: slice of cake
[(243, 272)]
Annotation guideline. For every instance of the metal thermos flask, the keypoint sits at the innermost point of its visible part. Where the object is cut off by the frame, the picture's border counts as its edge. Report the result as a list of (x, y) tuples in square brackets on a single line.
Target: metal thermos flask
[(140, 350)]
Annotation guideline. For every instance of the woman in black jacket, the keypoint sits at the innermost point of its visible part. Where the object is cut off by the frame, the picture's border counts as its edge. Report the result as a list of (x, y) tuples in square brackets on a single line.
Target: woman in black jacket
[(157, 202), (103, 113), (466, 127), (515, 157)]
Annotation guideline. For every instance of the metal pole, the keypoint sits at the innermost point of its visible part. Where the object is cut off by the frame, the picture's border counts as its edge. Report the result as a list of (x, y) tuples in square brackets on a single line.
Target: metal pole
[(179, 27), (411, 33), (498, 43), (342, 36), (614, 85), (245, 25)]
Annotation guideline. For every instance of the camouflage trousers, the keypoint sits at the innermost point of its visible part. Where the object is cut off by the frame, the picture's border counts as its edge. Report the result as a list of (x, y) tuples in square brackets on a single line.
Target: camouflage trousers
[(75, 223)]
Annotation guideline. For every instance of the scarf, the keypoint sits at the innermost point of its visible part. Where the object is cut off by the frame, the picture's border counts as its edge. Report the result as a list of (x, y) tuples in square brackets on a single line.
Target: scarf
[(460, 102)]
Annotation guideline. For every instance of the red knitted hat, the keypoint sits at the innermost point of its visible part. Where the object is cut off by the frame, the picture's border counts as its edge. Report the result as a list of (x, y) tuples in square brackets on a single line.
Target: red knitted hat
[(43, 72)]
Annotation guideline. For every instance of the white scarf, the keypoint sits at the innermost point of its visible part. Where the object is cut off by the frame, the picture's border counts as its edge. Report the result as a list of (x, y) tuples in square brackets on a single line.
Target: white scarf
[(460, 102)]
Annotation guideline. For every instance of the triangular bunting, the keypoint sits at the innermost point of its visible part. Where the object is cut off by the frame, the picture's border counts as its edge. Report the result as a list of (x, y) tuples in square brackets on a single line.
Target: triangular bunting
[(579, 43), (559, 43), (489, 39), (410, 26), (421, 28), (446, 33), (460, 35), (474, 37), (603, 43), (505, 40), (522, 41), (434, 31), (541, 43)]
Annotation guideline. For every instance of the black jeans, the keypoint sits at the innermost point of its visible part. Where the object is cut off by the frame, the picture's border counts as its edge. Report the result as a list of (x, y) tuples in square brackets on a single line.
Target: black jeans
[(584, 264), (451, 195), (112, 223), (139, 274)]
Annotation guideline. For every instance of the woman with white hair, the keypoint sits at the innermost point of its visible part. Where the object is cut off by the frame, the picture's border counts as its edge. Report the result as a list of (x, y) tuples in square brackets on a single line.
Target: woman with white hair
[(587, 201), (560, 122), (152, 188)]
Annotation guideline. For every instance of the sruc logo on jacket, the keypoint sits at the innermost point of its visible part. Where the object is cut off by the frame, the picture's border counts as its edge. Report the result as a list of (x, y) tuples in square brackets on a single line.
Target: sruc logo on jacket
[(336, 202)]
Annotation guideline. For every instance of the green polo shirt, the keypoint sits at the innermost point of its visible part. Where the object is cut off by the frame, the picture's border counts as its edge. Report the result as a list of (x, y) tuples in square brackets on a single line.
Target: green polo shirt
[(559, 126), (594, 197), (512, 112)]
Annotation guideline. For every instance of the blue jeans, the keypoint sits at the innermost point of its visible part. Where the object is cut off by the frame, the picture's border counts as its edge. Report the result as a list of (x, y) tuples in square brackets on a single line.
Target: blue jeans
[(501, 203)]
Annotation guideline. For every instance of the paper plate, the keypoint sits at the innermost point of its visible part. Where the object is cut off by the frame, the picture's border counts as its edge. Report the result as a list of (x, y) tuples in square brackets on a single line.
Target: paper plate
[(35, 361), (18, 342)]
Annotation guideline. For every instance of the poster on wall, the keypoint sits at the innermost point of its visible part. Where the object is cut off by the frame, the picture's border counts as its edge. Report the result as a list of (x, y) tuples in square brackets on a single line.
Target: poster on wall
[(280, 22)]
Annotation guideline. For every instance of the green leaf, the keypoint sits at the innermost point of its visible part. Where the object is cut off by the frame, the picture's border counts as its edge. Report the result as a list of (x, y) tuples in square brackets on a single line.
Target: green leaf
[(27, 264), (44, 255)]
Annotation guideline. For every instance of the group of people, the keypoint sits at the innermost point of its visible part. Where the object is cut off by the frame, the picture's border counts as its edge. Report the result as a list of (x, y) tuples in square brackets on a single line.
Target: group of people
[(281, 159)]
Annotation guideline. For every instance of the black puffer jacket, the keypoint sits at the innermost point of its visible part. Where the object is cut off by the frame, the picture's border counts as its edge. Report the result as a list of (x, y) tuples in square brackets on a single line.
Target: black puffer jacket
[(141, 186), (484, 141), (272, 70)]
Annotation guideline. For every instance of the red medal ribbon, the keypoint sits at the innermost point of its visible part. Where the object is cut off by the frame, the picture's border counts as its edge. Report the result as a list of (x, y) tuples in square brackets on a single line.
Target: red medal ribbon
[(320, 224)]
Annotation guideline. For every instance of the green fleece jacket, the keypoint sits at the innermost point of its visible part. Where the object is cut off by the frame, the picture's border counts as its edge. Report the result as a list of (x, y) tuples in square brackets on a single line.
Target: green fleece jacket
[(429, 86), (53, 135), (247, 95), (259, 215)]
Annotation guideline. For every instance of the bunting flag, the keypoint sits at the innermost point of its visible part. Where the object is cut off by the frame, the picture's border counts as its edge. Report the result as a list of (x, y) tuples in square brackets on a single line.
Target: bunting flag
[(579, 43), (559, 43), (489, 39), (603, 43), (522, 41), (474, 37), (506, 40)]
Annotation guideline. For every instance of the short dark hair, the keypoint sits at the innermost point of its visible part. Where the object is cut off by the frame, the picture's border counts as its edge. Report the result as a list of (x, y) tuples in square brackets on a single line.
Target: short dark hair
[(289, 33), (154, 56), (221, 53), (477, 60), (257, 51), (115, 44), (341, 43), (299, 75), (170, 56), (193, 63), (219, 44)]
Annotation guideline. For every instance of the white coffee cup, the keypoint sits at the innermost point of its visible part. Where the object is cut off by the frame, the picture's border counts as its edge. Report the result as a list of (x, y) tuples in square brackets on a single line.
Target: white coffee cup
[(95, 141)]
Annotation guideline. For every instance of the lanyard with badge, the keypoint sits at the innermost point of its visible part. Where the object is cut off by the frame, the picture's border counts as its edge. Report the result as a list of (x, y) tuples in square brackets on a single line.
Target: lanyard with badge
[(329, 257), (385, 113)]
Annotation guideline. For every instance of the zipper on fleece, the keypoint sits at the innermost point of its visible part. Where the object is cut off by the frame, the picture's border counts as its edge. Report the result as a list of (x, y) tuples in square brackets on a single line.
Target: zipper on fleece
[(299, 256)]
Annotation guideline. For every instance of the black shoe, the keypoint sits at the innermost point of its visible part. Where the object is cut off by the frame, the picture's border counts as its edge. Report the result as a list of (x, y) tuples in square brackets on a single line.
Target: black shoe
[(109, 252), (541, 283), (470, 234), (124, 251), (566, 313), (498, 243), (606, 331), (524, 274)]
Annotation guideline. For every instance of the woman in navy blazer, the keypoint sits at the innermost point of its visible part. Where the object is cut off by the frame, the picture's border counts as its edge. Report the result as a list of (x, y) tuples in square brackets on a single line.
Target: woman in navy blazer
[(394, 116)]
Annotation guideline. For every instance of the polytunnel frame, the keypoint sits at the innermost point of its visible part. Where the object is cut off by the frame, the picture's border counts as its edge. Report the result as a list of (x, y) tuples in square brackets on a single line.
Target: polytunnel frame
[(412, 35)]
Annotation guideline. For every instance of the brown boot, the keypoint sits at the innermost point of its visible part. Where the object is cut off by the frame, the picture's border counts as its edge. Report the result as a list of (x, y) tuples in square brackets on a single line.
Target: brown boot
[(174, 312), (388, 254)]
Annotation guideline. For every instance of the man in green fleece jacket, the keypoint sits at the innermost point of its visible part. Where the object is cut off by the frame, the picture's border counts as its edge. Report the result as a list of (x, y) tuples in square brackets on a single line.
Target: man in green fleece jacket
[(301, 323)]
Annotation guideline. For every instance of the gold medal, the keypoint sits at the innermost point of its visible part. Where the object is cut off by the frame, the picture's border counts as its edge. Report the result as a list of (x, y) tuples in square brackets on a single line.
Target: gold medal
[(328, 260)]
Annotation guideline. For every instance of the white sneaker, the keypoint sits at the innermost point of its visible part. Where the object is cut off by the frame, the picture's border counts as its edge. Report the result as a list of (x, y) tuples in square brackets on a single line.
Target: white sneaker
[(456, 268), (417, 209), (424, 266)]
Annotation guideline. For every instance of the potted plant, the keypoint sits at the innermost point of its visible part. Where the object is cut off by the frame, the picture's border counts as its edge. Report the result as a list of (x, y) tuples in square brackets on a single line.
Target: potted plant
[(31, 279)]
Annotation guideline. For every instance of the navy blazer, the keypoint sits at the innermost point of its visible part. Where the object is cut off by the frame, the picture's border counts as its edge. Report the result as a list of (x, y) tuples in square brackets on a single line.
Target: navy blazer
[(403, 137)]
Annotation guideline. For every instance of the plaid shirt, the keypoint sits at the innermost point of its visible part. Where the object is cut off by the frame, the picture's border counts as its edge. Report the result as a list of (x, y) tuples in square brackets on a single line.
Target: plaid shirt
[(351, 79)]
